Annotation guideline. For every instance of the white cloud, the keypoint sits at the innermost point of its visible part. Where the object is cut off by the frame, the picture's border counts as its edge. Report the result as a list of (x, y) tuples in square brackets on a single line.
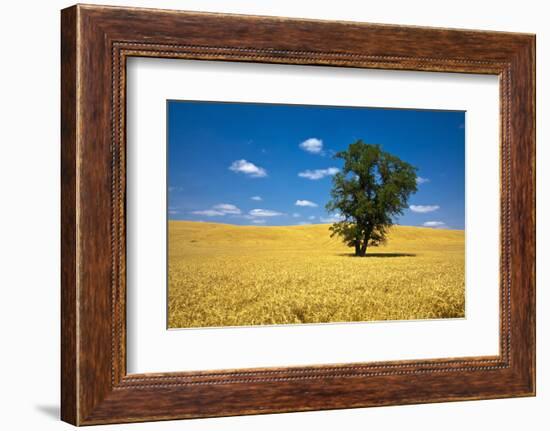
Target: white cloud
[(312, 145), (258, 221), (219, 210), (311, 217), (420, 180), (227, 208), (331, 219), (264, 213), (248, 168), (423, 208), (434, 224), (295, 215), (256, 198), (317, 174), (305, 203), (304, 223), (172, 212), (208, 213)]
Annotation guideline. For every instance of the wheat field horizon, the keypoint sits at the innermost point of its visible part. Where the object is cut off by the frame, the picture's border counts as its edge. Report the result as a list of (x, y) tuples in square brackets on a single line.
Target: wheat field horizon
[(300, 225)]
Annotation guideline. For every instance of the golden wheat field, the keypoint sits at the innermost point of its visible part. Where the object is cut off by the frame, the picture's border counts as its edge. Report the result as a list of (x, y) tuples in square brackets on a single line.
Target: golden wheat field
[(226, 275)]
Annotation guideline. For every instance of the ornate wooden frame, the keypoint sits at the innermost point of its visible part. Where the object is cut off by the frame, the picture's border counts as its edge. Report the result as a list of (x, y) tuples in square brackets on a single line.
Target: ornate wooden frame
[(96, 41)]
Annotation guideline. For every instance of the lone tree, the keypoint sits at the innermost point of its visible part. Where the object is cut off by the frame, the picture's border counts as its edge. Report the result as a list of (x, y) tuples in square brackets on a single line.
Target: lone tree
[(372, 188)]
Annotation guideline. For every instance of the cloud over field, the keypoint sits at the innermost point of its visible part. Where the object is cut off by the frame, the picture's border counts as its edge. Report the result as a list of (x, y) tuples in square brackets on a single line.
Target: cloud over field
[(334, 218), (317, 174), (305, 203), (219, 210), (258, 212), (421, 180), (248, 168), (424, 208), (312, 145), (208, 213), (227, 208)]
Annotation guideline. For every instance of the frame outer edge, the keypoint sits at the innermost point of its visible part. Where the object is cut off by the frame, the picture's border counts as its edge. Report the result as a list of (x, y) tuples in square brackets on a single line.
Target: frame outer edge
[(69, 202), (532, 82), (533, 53), (523, 253), (530, 62), (88, 397)]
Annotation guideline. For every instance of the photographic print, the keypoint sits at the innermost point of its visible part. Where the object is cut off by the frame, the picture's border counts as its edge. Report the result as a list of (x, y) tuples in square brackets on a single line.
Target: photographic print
[(300, 214)]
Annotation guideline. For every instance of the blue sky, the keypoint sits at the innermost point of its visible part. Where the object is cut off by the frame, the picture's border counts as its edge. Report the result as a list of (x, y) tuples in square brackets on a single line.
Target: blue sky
[(266, 164)]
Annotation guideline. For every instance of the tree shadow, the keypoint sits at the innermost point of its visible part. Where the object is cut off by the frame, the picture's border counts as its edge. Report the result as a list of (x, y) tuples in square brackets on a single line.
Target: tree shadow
[(378, 255)]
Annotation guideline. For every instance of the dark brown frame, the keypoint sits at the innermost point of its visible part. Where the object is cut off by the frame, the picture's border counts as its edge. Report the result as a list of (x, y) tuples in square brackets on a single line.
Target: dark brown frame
[(96, 41)]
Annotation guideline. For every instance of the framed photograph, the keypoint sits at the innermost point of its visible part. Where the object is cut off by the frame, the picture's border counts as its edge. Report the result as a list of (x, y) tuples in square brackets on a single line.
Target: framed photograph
[(264, 215)]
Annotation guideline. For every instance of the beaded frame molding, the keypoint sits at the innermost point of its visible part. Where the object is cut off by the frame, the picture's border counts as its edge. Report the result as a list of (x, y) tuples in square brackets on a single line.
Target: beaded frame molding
[(95, 43)]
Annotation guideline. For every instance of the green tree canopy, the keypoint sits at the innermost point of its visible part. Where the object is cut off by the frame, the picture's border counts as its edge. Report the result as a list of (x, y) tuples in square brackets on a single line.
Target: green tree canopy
[(371, 190)]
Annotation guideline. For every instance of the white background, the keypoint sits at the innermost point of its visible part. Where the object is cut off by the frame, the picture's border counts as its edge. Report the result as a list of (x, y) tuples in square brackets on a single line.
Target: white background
[(151, 348), (29, 216)]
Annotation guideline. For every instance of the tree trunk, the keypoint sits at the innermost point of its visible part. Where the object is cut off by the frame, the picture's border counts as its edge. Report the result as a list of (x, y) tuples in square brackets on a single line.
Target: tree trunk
[(362, 251), (357, 248)]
